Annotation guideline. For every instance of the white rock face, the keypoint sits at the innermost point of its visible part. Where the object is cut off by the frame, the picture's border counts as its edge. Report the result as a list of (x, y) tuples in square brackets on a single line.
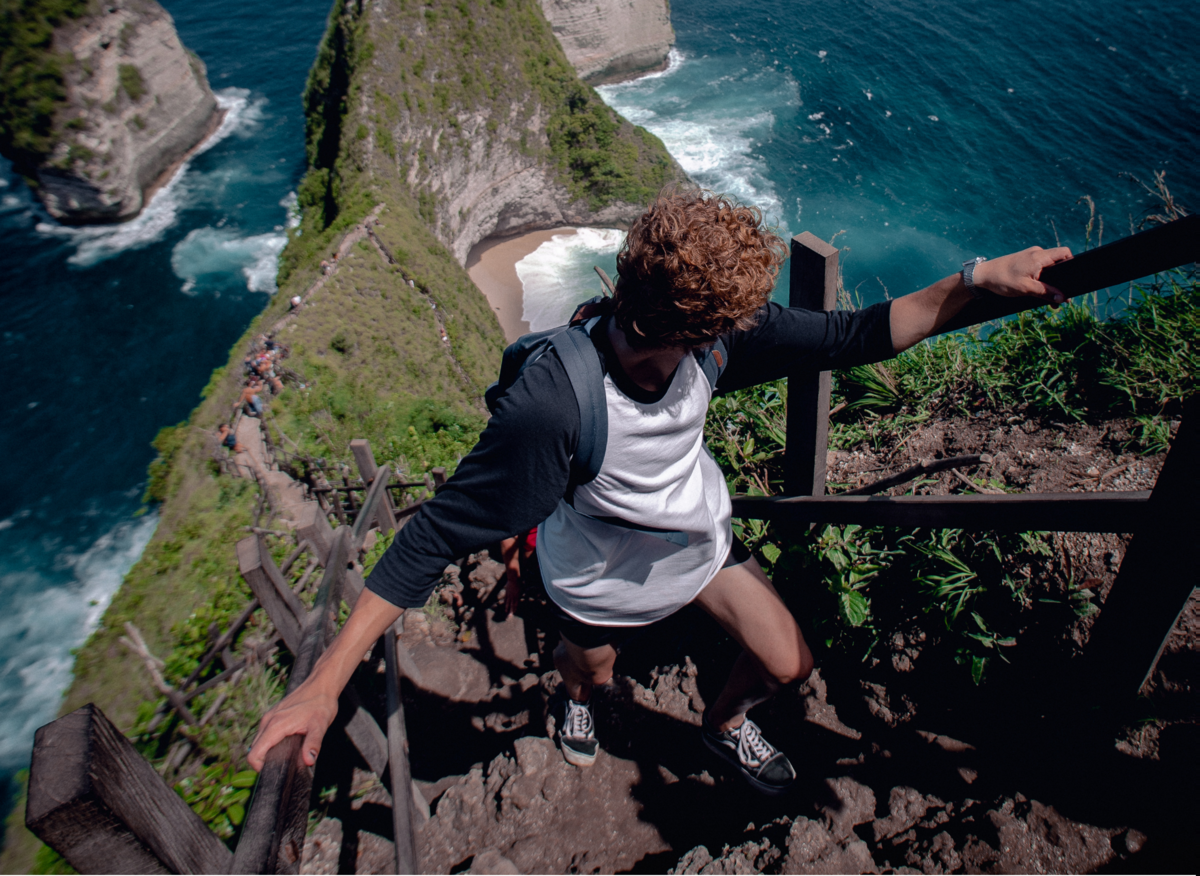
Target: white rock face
[(612, 39), (139, 102), (496, 190)]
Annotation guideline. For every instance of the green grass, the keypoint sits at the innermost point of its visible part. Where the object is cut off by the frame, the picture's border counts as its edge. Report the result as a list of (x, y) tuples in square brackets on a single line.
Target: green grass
[(1069, 364), (32, 90), (131, 81)]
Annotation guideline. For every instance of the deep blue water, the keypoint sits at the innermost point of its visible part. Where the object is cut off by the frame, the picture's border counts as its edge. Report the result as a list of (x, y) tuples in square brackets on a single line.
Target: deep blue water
[(109, 334), (927, 132), (921, 134)]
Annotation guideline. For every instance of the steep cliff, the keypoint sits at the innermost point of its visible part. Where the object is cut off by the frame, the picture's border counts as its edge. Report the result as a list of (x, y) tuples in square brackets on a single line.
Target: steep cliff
[(609, 40), (99, 104), (474, 110)]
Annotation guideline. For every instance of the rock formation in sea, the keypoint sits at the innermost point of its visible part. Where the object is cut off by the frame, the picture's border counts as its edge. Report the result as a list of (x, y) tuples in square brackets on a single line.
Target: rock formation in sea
[(479, 116), (132, 103), (609, 40)]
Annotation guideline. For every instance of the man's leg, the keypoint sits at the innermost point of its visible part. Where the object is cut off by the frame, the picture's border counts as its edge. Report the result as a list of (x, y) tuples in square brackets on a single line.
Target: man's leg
[(581, 669), (742, 599)]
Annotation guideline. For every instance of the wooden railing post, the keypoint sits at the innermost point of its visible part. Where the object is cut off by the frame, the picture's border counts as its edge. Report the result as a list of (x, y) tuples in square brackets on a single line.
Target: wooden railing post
[(272, 838), (1157, 575), (364, 458), (283, 607), (374, 507), (99, 804), (814, 274), (397, 736)]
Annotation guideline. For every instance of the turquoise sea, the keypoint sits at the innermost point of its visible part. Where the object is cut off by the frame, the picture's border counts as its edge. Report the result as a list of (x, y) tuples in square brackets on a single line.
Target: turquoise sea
[(918, 133)]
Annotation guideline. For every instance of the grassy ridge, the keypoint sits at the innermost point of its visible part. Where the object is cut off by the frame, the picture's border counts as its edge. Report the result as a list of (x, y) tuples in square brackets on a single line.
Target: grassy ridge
[(368, 344)]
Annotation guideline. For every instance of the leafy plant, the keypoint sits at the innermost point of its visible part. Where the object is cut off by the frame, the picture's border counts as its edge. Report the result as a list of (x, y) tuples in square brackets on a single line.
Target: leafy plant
[(130, 78), (218, 796)]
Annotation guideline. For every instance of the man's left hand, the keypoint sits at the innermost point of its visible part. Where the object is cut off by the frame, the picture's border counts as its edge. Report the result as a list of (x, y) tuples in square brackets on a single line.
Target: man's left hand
[(1018, 275)]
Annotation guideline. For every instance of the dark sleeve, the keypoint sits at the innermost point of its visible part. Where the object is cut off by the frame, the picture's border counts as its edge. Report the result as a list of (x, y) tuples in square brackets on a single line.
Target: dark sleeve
[(510, 482), (786, 339)]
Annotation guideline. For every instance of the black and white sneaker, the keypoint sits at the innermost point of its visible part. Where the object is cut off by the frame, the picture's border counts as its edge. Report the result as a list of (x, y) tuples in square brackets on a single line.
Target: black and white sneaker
[(577, 734), (765, 767)]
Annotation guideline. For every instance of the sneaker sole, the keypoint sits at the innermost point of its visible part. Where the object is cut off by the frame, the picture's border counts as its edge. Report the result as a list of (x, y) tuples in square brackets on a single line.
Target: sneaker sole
[(576, 758), (757, 784)]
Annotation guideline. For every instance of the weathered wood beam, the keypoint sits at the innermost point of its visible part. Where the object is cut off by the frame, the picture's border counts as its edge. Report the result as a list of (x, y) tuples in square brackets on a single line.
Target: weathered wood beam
[(1157, 575), (374, 508), (364, 458), (273, 835), (260, 572), (814, 273), (99, 804), (397, 739), (1057, 512), (1130, 258)]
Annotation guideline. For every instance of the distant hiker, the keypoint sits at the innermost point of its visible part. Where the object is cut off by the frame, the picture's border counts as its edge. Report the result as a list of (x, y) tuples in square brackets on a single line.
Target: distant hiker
[(295, 299), (253, 404), (649, 531), (229, 438)]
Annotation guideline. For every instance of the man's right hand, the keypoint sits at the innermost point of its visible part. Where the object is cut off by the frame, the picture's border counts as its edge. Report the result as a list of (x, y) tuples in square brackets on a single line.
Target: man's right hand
[(306, 712)]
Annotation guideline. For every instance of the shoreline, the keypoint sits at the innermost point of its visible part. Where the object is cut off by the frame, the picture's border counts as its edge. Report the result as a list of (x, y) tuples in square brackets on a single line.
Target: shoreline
[(492, 266)]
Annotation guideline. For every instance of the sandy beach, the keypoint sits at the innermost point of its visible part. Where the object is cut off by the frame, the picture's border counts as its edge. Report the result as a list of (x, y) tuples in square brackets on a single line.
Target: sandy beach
[(492, 265)]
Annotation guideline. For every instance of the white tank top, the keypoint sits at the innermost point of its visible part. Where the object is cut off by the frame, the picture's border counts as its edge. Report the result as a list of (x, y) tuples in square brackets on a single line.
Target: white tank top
[(657, 475)]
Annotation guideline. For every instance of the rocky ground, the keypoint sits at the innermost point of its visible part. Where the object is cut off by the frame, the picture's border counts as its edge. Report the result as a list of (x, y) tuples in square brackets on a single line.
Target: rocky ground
[(903, 765)]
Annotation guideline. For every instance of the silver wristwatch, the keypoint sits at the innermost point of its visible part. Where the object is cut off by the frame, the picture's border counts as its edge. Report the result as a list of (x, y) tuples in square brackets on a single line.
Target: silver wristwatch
[(968, 274)]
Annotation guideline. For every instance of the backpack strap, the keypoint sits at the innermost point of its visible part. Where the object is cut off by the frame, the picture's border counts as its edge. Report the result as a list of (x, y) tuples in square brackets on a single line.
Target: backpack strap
[(712, 362), (582, 365)]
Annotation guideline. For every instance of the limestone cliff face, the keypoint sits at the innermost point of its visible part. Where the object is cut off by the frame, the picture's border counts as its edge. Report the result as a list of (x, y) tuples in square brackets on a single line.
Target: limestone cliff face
[(609, 40), (473, 110), (137, 103)]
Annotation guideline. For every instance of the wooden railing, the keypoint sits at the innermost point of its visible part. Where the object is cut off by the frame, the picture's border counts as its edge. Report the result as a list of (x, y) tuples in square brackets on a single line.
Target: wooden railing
[(97, 802), (1153, 584)]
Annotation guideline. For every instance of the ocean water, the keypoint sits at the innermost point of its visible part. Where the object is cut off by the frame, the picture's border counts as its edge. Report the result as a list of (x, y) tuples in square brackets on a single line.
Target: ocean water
[(920, 134), (915, 133), (109, 333)]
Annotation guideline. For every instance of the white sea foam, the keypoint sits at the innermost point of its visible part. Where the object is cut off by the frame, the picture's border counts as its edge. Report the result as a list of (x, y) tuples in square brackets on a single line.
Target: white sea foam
[(558, 275), (222, 251), (711, 121), (44, 620), (95, 243)]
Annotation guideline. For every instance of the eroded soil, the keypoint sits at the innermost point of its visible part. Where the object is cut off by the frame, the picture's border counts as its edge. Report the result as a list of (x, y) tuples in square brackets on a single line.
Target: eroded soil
[(904, 765)]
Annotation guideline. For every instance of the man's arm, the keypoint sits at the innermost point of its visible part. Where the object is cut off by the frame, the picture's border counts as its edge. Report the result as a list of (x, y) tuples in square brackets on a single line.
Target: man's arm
[(510, 482), (310, 709), (919, 315), (785, 339)]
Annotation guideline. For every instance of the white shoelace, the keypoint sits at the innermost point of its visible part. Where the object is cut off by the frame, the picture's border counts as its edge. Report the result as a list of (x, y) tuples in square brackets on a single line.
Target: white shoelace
[(753, 750), (579, 721)]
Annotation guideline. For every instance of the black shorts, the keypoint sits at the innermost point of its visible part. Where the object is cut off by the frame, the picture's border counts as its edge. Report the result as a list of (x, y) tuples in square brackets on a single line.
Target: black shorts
[(589, 636)]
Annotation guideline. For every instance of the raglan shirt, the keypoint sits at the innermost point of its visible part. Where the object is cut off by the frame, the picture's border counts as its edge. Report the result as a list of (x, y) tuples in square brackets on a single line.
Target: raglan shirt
[(519, 471)]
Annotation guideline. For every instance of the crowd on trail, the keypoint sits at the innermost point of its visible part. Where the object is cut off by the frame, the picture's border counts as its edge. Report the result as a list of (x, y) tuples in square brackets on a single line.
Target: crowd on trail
[(261, 369)]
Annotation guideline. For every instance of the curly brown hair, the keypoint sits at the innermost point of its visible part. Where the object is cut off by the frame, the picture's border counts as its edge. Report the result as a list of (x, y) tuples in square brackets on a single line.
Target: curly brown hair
[(694, 266)]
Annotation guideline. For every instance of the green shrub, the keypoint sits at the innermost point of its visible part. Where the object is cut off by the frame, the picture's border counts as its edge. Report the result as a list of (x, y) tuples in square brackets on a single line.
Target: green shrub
[(31, 77), (130, 78), (168, 443)]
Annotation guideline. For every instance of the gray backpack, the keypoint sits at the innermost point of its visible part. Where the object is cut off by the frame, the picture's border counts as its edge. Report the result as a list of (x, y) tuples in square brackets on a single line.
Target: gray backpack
[(578, 354)]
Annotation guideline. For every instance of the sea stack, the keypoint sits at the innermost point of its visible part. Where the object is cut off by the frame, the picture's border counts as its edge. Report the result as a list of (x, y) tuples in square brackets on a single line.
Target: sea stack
[(132, 105), (610, 40)]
